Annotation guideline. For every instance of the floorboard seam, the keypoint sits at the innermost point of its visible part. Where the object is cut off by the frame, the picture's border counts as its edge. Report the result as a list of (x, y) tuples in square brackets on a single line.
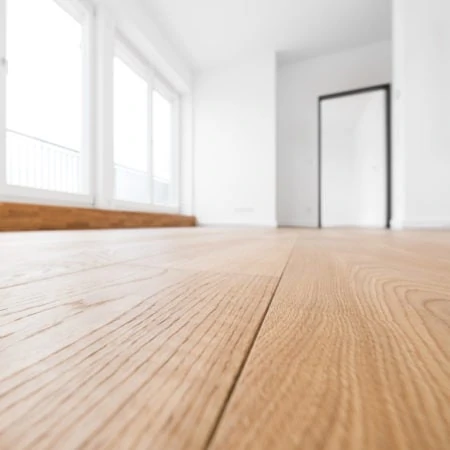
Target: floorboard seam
[(246, 356)]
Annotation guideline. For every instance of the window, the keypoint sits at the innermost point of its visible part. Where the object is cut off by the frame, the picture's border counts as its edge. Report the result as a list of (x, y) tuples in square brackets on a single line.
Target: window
[(144, 132), (84, 118), (45, 91), (163, 148), (131, 144)]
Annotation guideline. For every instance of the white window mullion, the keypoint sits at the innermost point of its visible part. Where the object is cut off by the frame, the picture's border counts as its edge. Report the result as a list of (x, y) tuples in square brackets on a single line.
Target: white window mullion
[(88, 157), (104, 161), (3, 73)]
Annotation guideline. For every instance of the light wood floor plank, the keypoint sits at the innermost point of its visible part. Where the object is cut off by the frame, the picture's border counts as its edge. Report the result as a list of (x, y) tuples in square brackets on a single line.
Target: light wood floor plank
[(127, 356), (165, 339), (37, 256), (244, 255), (47, 256), (354, 352)]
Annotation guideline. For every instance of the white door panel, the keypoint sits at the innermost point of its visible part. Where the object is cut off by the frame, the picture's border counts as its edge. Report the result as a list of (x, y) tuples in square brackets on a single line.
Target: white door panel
[(354, 160)]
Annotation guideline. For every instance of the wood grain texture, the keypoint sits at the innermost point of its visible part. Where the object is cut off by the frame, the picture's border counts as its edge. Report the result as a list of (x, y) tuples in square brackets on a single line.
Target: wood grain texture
[(354, 352), (39, 256), (200, 338), (27, 217), (130, 355)]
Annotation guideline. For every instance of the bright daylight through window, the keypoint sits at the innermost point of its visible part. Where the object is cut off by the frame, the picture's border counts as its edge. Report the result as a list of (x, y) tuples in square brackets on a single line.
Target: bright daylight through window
[(162, 148), (144, 129), (87, 118), (131, 151), (44, 97)]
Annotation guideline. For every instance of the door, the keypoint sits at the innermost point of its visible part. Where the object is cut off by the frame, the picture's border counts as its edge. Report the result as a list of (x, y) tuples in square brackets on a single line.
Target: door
[(354, 159)]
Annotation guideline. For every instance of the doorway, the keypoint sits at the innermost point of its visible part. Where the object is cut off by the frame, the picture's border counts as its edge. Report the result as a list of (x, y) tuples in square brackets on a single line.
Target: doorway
[(355, 158)]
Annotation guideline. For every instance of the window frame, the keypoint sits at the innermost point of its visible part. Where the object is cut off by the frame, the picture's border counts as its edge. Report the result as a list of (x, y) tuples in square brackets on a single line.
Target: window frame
[(171, 95), (81, 11), (97, 163), (129, 55)]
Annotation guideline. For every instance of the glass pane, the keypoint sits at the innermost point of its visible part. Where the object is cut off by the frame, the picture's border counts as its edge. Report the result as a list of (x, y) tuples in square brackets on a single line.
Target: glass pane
[(162, 148), (44, 96), (130, 134)]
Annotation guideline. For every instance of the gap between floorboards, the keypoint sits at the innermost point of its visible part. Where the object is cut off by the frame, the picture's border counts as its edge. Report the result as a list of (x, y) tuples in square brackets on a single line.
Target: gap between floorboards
[(247, 355)]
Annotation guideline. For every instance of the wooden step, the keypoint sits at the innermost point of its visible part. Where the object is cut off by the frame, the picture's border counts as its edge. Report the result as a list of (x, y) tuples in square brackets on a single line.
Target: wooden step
[(28, 217)]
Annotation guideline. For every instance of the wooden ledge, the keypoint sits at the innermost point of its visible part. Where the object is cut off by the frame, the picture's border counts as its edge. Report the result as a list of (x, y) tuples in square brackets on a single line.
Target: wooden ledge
[(29, 217)]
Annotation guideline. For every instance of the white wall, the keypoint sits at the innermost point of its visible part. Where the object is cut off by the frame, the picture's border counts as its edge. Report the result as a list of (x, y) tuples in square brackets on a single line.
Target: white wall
[(421, 37), (299, 86), (235, 144)]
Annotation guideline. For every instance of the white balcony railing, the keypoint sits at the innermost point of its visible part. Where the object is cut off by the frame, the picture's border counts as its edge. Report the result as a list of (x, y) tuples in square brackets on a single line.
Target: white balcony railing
[(134, 186), (36, 163), (131, 185), (39, 164), (161, 191)]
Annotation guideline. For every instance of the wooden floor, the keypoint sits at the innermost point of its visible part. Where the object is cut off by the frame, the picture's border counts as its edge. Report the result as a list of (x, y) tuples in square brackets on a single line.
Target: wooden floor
[(225, 339)]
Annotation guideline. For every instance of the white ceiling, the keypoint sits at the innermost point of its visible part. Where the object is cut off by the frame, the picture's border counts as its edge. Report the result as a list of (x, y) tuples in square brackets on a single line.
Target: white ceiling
[(215, 32)]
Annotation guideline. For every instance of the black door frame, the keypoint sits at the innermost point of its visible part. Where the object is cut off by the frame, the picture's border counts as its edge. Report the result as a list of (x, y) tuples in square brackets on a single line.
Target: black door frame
[(382, 87)]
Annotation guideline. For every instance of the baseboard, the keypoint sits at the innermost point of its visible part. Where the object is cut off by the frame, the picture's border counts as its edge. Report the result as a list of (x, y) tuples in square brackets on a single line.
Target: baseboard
[(32, 217), (296, 224), (421, 224), (238, 225)]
